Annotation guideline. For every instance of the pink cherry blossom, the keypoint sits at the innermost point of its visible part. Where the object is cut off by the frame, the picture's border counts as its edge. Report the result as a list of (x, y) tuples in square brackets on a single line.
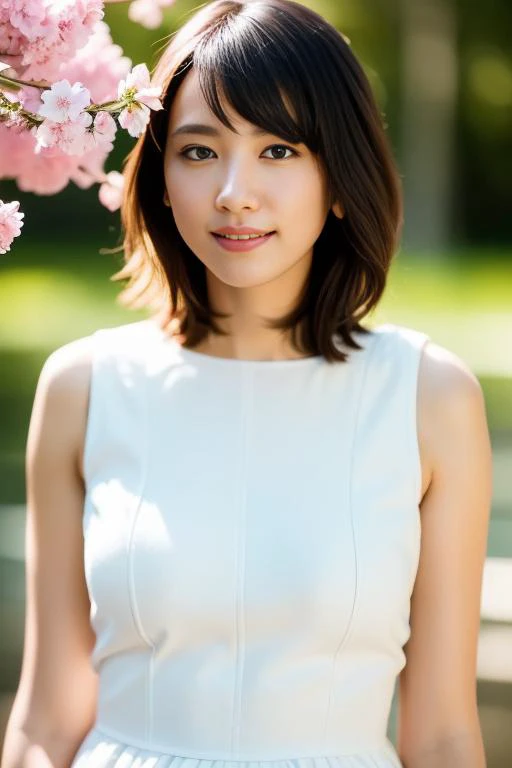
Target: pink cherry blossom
[(99, 65), (148, 12), (75, 20), (111, 191), (139, 81), (90, 169), (101, 133), (66, 43), (10, 38), (41, 35), (30, 98), (91, 11), (45, 173), (40, 58), (64, 101), (27, 17), (10, 224), (134, 119), (68, 137)]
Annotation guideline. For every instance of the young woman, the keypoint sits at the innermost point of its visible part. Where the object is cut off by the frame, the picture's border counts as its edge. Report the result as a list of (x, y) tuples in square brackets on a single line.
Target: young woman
[(249, 515)]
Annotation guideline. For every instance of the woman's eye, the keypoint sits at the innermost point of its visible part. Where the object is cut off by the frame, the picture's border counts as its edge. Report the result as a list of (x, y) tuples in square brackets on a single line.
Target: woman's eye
[(278, 152), (202, 153)]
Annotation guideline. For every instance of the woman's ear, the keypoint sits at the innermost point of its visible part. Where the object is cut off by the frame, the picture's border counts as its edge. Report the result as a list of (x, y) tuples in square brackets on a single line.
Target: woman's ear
[(338, 210)]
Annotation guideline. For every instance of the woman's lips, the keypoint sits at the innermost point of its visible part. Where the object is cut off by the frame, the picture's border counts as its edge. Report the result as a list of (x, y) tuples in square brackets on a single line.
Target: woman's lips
[(241, 245)]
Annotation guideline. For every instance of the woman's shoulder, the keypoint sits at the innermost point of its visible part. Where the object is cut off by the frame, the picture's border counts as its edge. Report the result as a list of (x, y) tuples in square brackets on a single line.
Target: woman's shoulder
[(61, 402), (451, 407), (447, 388), (71, 363), (66, 371), (443, 376), (59, 411)]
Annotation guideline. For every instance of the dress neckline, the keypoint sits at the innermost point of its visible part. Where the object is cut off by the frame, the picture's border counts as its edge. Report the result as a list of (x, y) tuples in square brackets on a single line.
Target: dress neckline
[(201, 357), (234, 362)]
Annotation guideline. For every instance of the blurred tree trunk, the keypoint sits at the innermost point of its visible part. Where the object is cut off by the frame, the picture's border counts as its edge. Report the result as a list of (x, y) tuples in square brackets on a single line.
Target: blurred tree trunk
[(429, 82)]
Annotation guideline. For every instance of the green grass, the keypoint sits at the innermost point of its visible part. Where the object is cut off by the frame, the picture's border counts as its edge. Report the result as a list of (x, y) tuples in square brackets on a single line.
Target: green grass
[(455, 284), (51, 294), (47, 307)]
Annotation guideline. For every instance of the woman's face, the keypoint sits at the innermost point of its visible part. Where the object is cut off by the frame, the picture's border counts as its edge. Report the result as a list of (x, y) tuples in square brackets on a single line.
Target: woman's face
[(219, 179)]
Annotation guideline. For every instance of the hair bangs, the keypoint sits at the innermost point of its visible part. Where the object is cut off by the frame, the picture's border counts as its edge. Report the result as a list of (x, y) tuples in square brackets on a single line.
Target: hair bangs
[(240, 69)]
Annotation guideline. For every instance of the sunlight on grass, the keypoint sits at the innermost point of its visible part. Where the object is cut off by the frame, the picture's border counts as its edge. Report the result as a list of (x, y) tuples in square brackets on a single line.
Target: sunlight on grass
[(48, 307), (464, 306)]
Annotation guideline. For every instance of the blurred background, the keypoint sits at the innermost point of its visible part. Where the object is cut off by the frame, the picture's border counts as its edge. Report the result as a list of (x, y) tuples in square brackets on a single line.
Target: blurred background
[(442, 72)]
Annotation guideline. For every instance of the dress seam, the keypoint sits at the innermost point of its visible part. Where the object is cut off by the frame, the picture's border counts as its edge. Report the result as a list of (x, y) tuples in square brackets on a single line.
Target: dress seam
[(131, 578), (240, 568), (414, 444), (91, 409), (413, 416), (350, 623)]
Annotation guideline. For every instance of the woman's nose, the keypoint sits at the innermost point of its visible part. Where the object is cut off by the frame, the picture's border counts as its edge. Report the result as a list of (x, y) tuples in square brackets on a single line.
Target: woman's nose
[(236, 192)]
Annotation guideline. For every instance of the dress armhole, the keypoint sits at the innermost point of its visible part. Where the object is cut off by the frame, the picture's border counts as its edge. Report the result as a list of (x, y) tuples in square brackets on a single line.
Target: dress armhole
[(409, 346), (419, 342), (92, 419)]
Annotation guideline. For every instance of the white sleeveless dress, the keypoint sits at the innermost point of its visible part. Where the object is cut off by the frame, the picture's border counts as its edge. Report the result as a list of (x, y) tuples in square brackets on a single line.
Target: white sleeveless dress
[(252, 537)]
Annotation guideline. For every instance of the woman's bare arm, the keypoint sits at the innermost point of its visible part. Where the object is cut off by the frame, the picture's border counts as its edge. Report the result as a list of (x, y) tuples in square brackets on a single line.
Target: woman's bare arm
[(438, 724), (56, 699)]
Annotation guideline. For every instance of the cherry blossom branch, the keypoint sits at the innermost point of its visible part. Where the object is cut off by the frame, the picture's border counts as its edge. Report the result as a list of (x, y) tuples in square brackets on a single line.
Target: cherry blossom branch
[(64, 103), (10, 109), (15, 83), (13, 112), (60, 115)]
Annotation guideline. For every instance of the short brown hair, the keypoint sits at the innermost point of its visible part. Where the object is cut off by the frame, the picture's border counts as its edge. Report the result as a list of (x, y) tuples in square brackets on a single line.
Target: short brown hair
[(250, 54)]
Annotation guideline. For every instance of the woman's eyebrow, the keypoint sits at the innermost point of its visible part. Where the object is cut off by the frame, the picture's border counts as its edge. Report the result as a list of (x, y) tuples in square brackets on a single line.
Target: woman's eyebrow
[(209, 130)]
